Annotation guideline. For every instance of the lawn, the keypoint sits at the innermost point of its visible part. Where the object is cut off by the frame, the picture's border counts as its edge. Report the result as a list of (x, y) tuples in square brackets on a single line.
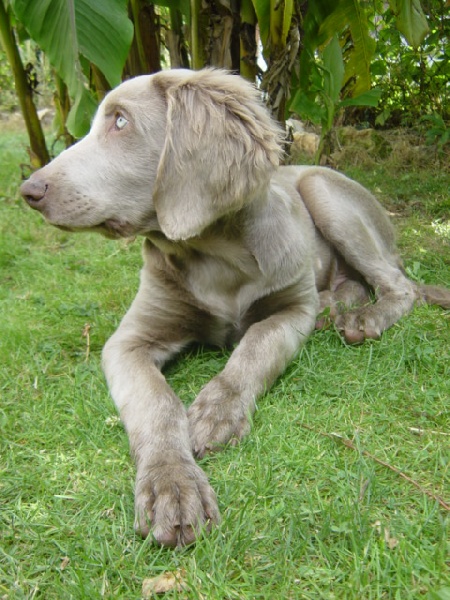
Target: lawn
[(308, 509)]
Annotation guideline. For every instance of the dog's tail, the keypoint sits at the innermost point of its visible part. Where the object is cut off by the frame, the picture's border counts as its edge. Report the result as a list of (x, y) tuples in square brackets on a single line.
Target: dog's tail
[(434, 294)]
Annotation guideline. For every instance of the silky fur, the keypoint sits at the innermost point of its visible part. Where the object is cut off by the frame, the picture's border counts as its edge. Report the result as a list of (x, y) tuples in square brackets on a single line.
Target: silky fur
[(238, 251)]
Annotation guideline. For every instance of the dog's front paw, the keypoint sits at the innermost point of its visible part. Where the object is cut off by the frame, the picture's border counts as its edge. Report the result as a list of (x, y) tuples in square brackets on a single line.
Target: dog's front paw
[(217, 417), (174, 502)]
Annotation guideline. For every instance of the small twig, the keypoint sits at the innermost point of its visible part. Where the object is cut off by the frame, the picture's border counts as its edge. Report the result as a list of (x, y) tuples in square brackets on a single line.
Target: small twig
[(363, 489), (349, 444), (421, 431), (86, 334)]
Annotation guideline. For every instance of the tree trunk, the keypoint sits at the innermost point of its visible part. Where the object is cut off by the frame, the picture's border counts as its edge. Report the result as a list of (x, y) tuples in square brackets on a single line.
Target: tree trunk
[(221, 18), (175, 42), (144, 55), (248, 46), (197, 35), (38, 147)]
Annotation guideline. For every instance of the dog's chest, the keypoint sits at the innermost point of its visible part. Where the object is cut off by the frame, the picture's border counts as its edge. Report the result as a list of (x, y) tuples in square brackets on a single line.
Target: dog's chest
[(224, 284)]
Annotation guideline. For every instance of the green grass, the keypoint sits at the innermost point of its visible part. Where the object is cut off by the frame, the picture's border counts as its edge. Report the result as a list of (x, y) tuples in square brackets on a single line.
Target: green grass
[(304, 516)]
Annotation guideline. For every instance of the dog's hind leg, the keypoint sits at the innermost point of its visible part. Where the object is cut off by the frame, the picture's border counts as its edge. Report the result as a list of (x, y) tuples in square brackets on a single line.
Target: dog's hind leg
[(349, 295), (357, 227)]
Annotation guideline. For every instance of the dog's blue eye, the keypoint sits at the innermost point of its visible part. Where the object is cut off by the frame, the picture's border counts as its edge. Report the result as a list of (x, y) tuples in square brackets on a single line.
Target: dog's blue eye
[(121, 122)]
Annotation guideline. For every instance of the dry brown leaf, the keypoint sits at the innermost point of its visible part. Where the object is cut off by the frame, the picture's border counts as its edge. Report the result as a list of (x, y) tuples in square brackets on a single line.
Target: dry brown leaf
[(391, 542), (377, 527), (64, 563), (86, 334), (166, 582)]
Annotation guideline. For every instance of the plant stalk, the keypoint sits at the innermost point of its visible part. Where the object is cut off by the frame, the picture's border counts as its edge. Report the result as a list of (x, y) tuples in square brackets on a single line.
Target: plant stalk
[(38, 146), (248, 48), (196, 50)]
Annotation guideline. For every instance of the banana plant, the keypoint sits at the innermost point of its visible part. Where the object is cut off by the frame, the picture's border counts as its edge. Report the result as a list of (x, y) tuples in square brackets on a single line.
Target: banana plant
[(410, 20), (318, 57), (323, 102), (74, 34), (334, 65), (280, 44)]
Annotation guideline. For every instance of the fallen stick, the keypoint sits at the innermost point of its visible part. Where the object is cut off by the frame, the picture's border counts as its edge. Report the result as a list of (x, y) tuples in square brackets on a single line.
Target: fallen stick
[(421, 431), (86, 334), (349, 444)]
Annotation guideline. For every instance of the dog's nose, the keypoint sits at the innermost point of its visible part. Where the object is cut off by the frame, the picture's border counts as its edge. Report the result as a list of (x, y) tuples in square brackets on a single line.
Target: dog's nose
[(33, 191)]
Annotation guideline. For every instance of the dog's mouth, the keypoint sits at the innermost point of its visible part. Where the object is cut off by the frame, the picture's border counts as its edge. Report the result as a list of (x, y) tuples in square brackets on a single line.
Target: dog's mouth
[(111, 229), (114, 229)]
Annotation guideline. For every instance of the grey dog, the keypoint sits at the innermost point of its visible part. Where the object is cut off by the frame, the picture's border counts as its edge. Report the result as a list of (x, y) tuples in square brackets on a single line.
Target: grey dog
[(237, 251)]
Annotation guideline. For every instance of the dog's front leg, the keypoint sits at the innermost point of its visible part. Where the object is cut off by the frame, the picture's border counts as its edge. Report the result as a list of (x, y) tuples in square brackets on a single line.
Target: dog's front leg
[(173, 498), (222, 411)]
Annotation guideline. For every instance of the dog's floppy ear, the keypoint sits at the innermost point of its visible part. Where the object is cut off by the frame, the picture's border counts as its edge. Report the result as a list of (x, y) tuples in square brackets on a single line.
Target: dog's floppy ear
[(220, 150)]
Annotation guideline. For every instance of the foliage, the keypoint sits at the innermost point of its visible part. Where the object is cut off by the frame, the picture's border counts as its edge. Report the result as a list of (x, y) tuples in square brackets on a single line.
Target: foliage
[(374, 40), (8, 99), (71, 33), (410, 20), (323, 101), (315, 59), (414, 81), (40, 77), (438, 133)]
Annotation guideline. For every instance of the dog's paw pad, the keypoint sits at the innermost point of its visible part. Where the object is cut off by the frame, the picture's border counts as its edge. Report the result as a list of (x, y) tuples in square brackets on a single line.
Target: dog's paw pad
[(174, 504)]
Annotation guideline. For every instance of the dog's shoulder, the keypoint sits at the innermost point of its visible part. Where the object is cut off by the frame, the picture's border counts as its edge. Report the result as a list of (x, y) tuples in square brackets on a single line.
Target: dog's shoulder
[(279, 230)]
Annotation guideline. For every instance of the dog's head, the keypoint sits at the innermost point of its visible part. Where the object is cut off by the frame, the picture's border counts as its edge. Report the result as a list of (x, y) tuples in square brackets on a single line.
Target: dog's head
[(174, 151)]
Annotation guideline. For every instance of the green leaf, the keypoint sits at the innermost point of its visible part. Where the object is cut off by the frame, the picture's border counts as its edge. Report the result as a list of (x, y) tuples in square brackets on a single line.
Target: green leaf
[(274, 20), (307, 108), (104, 35), (262, 10), (69, 29), (350, 14), (51, 23), (435, 120), (334, 69), (100, 30), (410, 20), (80, 115), (247, 12), (379, 67), (370, 98), (287, 19)]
